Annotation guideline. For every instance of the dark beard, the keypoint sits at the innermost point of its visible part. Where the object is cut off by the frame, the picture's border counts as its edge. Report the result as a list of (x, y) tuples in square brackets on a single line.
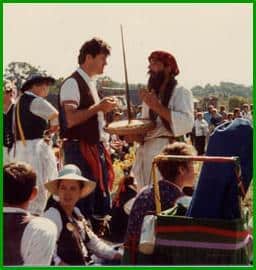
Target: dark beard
[(155, 80)]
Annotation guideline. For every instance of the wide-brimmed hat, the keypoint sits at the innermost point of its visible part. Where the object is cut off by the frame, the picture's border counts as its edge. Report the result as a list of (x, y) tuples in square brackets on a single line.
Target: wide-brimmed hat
[(71, 172), (37, 79)]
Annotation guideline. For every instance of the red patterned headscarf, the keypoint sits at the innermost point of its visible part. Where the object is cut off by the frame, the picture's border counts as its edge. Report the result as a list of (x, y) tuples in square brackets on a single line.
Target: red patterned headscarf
[(167, 59)]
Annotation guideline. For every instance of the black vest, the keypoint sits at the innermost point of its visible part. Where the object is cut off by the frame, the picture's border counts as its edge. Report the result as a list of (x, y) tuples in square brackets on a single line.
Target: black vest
[(33, 126), (89, 130), (8, 133), (68, 248), (14, 227)]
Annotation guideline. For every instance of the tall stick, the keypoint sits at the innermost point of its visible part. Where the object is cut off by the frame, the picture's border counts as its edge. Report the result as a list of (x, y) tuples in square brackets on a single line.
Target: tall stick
[(126, 80), (156, 189), (218, 159)]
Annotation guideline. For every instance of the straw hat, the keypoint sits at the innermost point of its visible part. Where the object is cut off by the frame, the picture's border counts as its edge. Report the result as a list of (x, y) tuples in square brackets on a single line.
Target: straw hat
[(71, 172)]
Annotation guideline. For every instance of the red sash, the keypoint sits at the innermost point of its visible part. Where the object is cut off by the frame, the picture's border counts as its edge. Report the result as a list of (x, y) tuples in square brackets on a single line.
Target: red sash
[(91, 155)]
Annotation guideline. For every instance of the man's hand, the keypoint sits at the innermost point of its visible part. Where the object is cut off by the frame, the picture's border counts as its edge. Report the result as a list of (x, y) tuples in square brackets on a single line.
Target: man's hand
[(107, 104), (150, 98)]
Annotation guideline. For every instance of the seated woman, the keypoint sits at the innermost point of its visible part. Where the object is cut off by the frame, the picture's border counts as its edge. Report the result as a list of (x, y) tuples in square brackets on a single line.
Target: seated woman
[(176, 175), (76, 241)]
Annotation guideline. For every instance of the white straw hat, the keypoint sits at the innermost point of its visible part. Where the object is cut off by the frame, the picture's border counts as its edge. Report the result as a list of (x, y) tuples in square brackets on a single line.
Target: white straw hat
[(71, 172)]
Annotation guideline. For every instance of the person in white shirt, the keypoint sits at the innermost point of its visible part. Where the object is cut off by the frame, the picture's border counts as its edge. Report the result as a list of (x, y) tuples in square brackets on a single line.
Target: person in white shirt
[(169, 106), (246, 113), (201, 132), (28, 240), (32, 114), (76, 241), (82, 122)]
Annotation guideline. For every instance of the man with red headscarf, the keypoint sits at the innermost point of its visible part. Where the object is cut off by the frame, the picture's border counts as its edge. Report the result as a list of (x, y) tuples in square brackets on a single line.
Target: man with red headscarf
[(169, 106)]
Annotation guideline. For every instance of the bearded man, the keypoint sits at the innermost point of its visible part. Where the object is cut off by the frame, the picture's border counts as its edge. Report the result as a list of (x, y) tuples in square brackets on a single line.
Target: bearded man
[(169, 106)]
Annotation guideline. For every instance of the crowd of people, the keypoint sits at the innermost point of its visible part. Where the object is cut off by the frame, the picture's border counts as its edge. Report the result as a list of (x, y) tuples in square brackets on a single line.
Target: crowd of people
[(58, 193), (206, 122)]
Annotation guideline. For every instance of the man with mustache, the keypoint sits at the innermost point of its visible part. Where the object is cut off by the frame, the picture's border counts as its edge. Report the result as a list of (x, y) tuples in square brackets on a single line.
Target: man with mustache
[(169, 106)]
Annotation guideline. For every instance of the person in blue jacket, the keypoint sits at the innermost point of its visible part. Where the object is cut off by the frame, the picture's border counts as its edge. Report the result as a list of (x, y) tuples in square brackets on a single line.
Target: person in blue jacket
[(217, 193)]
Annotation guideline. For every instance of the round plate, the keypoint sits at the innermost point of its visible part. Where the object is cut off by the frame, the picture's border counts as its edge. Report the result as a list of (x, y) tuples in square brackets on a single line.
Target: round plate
[(134, 127)]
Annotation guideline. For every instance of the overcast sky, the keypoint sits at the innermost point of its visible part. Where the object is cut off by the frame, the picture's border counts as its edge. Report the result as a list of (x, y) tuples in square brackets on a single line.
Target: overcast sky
[(211, 42)]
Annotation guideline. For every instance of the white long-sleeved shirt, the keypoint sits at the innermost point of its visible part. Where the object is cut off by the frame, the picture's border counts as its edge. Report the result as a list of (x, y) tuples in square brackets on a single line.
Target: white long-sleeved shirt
[(181, 110), (201, 127), (95, 244), (38, 239)]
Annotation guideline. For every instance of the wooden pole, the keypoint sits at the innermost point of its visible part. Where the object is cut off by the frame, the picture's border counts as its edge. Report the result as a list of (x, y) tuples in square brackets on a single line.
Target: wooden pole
[(126, 80)]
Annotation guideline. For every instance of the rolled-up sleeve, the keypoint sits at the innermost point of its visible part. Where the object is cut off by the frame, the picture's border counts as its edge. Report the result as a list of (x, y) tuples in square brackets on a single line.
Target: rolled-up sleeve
[(42, 108), (99, 248), (181, 110)]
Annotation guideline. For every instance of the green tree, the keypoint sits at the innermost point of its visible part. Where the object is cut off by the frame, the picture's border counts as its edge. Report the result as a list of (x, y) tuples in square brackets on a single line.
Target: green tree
[(54, 89), (18, 72), (236, 101)]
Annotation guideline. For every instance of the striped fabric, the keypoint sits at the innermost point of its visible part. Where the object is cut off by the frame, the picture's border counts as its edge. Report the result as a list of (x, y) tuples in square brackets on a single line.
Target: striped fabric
[(190, 241)]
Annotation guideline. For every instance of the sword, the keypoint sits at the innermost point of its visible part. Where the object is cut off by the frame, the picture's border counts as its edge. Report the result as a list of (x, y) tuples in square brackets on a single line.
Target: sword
[(126, 80)]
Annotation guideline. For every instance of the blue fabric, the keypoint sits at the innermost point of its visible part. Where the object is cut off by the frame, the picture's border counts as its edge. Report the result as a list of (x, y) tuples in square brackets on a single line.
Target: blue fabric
[(207, 117), (145, 203), (216, 194)]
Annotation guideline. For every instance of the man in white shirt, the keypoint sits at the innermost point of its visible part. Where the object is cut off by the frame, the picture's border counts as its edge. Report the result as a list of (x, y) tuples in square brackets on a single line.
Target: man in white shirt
[(28, 240), (81, 125), (246, 113), (169, 106), (201, 132)]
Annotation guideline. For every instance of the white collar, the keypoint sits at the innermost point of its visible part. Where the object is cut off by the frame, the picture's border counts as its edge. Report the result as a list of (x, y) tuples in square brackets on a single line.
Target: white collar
[(9, 209), (84, 75), (30, 93)]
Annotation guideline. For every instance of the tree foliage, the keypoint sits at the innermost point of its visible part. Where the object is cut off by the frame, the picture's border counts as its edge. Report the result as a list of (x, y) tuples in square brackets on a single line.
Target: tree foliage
[(18, 72), (236, 101), (54, 89), (225, 90)]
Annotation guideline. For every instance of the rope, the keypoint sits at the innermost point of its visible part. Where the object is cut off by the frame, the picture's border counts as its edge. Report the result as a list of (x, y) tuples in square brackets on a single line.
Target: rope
[(19, 124)]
